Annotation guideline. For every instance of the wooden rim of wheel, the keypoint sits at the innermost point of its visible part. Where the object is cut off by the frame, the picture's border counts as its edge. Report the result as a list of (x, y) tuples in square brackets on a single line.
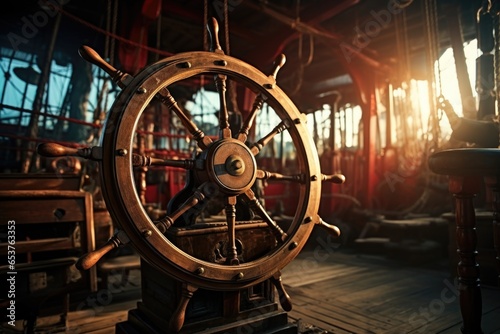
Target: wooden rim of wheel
[(120, 190)]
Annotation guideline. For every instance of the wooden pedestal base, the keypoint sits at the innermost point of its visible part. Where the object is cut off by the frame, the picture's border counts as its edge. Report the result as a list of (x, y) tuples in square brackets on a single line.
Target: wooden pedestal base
[(251, 310), (270, 323)]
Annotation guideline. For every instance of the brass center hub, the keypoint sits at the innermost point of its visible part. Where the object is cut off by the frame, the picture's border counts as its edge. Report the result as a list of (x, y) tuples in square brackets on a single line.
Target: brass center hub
[(231, 165), (235, 165)]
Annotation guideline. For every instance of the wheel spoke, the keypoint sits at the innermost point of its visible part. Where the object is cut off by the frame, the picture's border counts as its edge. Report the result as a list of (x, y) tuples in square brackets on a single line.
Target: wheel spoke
[(220, 84), (232, 253), (259, 100), (248, 123), (146, 161), (199, 194), (53, 150), (265, 175), (124, 79), (166, 98), (260, 210), (257, 147), (334, 178)]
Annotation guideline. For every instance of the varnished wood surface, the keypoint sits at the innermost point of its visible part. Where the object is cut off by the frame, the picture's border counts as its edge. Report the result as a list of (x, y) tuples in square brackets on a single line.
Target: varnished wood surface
[(339, 290)]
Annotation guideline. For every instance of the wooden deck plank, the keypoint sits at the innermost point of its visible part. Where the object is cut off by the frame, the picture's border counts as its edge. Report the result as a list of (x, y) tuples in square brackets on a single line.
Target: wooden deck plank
[(106, 323), (404, 304), (303, 274), (103, 331), (341, 312), (397, 296), (328, 324), (372, 294), (305, 325), (344, 293)]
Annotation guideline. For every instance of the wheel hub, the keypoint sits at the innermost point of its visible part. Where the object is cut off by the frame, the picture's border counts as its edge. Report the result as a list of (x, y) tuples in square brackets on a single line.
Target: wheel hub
[(231, 165), (235, 165)]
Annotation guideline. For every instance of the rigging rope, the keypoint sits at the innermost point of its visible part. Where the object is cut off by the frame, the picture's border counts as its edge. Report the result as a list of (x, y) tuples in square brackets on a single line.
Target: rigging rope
[(299, 74), (496, 65), (430, 12), (436, 39), (205, 23), (113, 35), (226, 26), (113, 32), (108, 28)]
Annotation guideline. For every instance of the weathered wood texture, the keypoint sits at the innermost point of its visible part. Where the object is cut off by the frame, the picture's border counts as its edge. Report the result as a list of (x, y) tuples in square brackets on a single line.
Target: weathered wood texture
[(340, 292), (343, 292)]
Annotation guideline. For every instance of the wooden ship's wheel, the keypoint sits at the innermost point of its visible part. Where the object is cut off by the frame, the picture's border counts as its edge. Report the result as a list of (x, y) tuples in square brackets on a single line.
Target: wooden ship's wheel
[(241, 250)]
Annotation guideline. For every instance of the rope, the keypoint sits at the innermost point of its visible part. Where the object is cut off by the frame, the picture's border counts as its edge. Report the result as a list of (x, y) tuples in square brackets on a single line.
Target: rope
[(114, 36), (485, 8), (205, 23), (496, 59), (406, 48), (298, 77), (431, 19), (113, 31), (45, 114), (40, 140), (399, 45), (297, 18), (436, 29), (226, 26), (108, 28), (158, 35)]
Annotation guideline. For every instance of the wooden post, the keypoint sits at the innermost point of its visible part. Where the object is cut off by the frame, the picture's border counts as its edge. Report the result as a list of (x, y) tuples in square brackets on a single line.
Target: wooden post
[(493, 184), (464, 189)]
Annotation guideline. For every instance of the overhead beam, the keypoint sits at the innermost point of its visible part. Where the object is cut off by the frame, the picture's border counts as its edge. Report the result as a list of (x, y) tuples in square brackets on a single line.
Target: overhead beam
[(321, 34)]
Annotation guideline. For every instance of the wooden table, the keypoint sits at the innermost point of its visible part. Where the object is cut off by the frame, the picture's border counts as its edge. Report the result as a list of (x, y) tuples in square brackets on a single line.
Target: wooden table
[(468, 170)]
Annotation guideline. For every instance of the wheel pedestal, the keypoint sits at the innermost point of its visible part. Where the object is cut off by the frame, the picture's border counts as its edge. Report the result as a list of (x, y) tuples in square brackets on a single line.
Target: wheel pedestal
[(251, 310), (182, 308)]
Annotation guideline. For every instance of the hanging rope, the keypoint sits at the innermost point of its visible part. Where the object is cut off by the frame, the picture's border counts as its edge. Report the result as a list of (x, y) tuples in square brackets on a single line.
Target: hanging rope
[(231, 85), (430, 14), (434, 17), (108, 28), (113, 33), (226, 26), (402, 46), (431, 31), (158, 35), (496, 26), (403, 104), (205, 23), (299, 74)]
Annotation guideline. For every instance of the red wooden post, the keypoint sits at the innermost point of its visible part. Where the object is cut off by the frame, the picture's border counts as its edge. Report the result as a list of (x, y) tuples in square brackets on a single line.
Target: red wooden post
[(464, 189), (494, 184)]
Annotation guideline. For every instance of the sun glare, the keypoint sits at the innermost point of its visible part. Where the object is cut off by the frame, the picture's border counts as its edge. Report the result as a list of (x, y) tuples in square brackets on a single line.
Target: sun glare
[(449, 80), (446, 84)]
